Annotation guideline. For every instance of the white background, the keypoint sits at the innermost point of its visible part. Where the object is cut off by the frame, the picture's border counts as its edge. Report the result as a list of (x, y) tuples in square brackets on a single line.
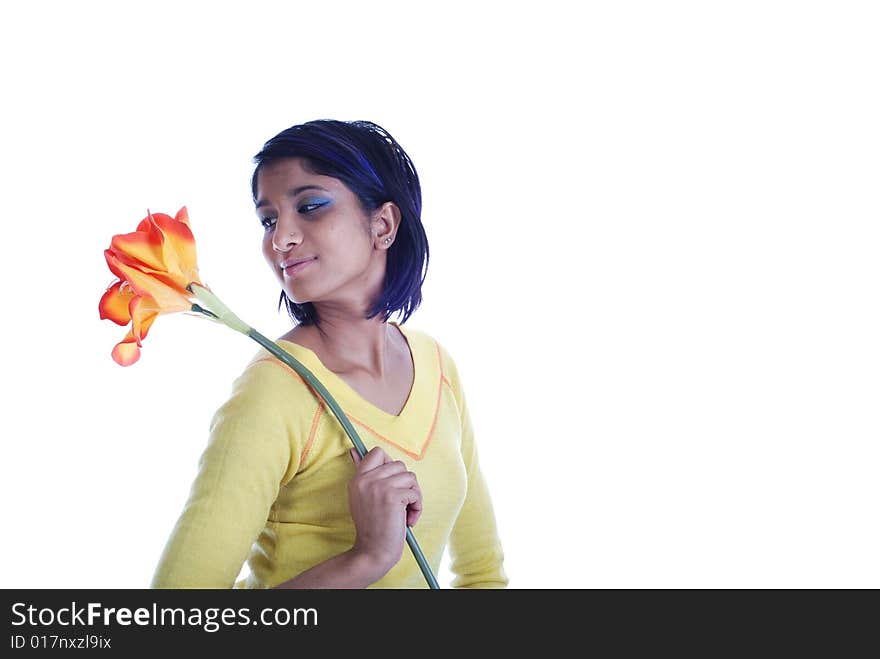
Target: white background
[(654, 258)]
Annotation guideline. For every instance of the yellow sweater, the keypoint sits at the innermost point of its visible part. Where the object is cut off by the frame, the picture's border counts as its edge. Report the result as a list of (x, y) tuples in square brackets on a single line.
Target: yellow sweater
[(272, 484)]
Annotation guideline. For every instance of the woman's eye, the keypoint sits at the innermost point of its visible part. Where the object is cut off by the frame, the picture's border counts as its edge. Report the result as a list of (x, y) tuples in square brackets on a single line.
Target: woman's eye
[(308, 208), (305, 209)]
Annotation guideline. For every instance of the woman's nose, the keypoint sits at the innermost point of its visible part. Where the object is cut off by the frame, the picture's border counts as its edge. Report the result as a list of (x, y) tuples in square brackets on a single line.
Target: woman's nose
[(286, 234)]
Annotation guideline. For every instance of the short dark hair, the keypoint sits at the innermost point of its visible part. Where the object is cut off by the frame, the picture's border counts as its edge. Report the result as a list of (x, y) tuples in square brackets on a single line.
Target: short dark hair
[(371, 163)]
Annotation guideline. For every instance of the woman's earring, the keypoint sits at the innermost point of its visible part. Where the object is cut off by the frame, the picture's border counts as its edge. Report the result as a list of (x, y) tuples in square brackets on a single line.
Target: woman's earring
[(387, 240)]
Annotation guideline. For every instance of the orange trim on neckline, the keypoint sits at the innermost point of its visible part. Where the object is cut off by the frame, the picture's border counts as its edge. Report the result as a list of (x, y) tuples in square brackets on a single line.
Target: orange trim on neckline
[(322, 407)]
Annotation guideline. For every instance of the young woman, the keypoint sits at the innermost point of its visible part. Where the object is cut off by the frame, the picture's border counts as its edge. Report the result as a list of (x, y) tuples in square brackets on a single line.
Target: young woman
[(279, 484)]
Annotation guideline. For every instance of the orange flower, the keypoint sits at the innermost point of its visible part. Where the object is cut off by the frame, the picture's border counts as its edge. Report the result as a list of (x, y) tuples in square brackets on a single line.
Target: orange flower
[(154, 266)]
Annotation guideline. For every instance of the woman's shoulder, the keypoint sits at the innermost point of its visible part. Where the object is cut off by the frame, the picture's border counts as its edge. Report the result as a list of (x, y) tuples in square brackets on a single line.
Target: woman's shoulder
[(431, 343), (267, 377)]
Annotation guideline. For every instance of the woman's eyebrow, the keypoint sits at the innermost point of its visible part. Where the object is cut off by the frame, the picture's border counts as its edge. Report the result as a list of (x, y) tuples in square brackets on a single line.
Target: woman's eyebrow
[(292, 193)]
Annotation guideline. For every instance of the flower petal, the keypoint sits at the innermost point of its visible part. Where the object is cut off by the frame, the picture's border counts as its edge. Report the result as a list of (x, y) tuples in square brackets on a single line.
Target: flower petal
[(154, 266), (161, 244), (179, 248), (119, 259), (141, 246), (143, 311), (144, 224), (114, 304), (182, 215), (126, 351), (167, 295)]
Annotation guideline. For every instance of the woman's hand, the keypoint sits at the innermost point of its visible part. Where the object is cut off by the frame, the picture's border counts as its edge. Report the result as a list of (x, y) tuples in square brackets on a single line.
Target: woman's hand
[(384, 498)]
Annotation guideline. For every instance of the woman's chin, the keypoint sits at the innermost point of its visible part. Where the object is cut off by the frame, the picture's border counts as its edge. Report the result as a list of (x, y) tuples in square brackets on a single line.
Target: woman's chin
[(296, 298)]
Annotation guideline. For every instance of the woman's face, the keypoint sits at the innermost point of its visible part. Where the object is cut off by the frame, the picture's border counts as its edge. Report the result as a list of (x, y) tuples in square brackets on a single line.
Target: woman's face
[(317, 218)]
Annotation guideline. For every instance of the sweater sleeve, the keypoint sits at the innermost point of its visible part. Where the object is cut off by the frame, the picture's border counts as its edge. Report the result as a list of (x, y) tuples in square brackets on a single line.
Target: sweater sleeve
[(476, 555), (253, 449)]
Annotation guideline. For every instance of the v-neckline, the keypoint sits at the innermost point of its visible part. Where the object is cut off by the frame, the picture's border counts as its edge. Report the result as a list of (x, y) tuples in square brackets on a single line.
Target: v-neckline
[(412, 429), (347, 395)]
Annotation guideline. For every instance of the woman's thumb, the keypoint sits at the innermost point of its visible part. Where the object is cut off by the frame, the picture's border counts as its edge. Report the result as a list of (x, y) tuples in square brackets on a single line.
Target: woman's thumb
[(354, 455)]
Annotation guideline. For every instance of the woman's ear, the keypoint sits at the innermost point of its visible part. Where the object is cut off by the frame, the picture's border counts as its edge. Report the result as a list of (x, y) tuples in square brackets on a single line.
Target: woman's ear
[(386, 224)]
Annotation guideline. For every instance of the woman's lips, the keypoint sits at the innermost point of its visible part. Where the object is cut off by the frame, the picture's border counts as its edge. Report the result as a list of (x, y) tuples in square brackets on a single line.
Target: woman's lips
[(293, 270)]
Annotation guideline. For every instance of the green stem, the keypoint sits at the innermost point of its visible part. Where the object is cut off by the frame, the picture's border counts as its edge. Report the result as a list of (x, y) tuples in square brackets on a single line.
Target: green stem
[(202, 310), (288, 359), (213, 307)]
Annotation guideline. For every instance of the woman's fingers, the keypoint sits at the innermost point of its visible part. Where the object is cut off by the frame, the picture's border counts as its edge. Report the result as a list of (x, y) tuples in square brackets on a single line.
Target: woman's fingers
[(402, 480), (398, 482), (379, 491), (377, 465), (375, 457), (409, 496), (414, 509)]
